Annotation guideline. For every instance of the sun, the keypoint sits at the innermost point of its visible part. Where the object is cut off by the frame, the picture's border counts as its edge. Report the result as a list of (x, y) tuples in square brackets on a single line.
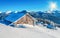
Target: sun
[(53, 6)]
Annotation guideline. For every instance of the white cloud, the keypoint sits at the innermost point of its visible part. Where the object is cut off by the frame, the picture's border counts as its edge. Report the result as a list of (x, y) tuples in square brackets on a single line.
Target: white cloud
[(0, 12), (16, 11), (8, 12)]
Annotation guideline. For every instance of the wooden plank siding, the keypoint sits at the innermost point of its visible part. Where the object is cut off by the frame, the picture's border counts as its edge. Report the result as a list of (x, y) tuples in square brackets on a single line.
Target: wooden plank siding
[(25, 20)]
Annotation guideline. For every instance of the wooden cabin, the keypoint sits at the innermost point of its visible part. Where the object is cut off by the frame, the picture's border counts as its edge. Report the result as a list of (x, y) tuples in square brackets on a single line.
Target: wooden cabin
[(26, 19), (20, 18)]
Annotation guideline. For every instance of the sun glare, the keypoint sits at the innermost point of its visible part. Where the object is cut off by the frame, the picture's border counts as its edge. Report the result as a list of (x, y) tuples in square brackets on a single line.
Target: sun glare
[(53, 6)]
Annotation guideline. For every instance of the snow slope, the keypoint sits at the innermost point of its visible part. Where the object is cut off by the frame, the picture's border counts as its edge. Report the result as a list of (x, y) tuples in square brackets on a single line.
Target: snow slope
[(55, 33), (11, 32)]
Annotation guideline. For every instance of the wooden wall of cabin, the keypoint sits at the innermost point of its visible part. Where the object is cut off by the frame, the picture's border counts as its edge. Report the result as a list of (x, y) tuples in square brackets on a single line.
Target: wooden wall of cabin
[(25, 20)]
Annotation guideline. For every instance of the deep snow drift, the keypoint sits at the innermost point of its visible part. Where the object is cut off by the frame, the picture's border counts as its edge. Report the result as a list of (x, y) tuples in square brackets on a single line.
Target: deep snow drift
[(32, 32)]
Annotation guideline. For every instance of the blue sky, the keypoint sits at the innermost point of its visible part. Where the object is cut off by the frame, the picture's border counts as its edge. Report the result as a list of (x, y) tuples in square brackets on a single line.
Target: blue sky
[(30, 5)]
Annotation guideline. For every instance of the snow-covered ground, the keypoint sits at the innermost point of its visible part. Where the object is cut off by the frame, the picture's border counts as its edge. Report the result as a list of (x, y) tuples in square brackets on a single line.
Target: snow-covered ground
[(55, 33), (28, 32)]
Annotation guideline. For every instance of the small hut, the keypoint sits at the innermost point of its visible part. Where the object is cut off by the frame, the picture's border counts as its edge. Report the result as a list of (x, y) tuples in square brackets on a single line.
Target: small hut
[(26, 19), (21, 18)]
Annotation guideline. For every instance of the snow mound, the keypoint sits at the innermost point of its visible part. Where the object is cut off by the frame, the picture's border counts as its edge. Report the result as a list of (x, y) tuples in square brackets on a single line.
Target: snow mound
[(11, 32)]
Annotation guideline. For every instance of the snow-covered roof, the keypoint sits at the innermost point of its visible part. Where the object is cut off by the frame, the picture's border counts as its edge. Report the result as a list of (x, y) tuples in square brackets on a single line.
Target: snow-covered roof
[(14, 16)]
